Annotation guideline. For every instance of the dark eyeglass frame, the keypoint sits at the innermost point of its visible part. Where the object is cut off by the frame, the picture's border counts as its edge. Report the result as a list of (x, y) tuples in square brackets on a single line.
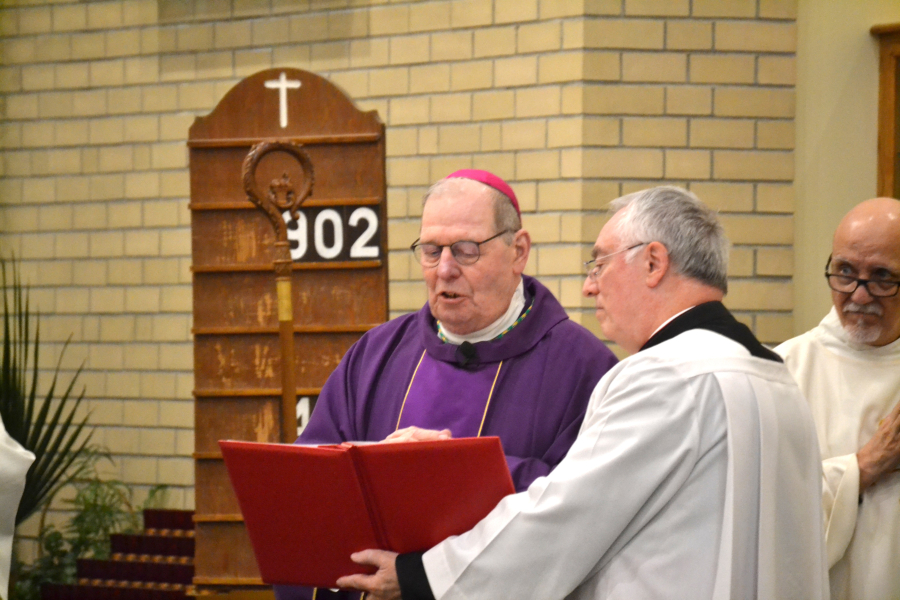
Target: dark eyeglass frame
[(830, 277), (416, 248), (593, 267)]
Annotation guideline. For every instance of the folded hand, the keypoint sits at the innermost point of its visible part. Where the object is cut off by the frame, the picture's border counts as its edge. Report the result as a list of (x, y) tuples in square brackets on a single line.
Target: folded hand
[(417, 434), (383, 584)]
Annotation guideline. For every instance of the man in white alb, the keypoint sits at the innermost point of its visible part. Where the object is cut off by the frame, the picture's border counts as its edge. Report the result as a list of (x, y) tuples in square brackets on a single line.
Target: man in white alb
[(849, 370), (696, 472)]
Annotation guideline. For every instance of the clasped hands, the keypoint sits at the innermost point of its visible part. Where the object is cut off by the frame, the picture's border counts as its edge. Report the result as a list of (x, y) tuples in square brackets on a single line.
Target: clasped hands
[(881, 454)]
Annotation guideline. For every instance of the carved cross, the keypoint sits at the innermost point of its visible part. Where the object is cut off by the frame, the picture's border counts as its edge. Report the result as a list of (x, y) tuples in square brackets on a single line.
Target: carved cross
[(282, 84)]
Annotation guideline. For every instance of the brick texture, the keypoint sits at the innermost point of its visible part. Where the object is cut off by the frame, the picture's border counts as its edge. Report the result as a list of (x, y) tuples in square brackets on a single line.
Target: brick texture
[(573, 102)]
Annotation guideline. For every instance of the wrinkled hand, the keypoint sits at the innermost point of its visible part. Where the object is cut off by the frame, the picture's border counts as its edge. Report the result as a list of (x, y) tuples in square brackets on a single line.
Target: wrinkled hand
[(881, 454), (383, 584), (417, 434)]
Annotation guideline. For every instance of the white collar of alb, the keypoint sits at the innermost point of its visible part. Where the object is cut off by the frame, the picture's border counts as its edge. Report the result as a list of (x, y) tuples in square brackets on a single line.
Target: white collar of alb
[(669, 320), (516, 305)]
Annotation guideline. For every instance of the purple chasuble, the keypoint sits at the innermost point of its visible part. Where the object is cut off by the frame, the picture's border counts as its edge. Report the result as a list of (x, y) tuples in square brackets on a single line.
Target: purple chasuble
[(550, 367), (441, 396)]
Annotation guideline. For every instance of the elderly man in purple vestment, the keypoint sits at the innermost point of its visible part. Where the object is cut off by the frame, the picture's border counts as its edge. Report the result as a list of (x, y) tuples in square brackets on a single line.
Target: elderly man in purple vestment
[(492, 353)]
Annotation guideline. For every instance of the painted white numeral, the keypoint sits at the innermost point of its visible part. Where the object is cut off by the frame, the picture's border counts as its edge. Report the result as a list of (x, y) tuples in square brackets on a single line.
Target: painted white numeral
[(297, 235), (323, 250), (359, 248), (303, 403)]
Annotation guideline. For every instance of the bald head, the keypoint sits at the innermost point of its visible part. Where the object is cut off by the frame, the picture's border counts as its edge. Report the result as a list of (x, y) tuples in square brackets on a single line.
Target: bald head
[(875, 221), (866, 246)]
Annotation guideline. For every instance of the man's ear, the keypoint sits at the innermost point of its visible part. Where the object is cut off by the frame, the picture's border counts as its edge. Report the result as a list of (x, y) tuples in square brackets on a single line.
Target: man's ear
[(522, 245), (657, 261)]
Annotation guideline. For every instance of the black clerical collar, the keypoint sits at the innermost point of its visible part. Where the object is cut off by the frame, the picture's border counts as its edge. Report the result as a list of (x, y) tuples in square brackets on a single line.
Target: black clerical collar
[(712, 316)]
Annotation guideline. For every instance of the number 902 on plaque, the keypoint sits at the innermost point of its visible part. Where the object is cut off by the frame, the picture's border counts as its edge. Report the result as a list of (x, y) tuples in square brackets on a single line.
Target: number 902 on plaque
[(342, 233)]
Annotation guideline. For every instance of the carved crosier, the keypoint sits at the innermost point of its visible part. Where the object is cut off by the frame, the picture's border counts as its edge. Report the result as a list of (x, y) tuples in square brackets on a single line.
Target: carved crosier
[(282, 194)]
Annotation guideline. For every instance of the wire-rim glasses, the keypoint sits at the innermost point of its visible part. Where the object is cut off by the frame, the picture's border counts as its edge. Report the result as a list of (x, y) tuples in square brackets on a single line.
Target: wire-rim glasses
[(465, 252), (877, 288), (593, 266)]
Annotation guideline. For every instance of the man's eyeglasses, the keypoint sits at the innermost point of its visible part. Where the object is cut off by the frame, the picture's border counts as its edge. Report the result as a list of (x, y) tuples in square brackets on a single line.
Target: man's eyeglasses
[(465, 252), (877, 288), (593, 266)]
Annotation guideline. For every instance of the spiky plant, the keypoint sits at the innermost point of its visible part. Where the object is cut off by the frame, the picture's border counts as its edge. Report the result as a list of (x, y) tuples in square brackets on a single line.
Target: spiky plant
[(45, 425)]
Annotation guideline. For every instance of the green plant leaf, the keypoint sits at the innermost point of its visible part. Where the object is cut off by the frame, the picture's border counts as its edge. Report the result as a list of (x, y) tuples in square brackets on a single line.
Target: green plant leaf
[(47, 426), (99, 508)]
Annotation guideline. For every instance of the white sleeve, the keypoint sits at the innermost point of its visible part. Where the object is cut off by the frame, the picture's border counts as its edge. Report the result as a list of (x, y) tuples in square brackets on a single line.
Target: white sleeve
[(840, 501), (542, 543), (14, 463)]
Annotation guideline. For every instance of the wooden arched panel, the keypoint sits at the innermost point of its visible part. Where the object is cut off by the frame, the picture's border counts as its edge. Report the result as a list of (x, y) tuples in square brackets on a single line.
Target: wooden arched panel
[(338, 281)]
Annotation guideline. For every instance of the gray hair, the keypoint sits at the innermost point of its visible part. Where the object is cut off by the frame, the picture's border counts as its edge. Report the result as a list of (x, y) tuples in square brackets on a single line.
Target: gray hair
[(505, 216), (689, 230)]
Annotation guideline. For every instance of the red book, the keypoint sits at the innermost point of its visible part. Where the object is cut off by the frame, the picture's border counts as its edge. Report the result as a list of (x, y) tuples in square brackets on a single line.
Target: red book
[(307, 508)]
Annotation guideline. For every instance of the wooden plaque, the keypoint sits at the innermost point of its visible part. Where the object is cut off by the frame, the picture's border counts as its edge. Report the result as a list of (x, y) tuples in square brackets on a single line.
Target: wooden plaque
[(888, 109), (337, 274)]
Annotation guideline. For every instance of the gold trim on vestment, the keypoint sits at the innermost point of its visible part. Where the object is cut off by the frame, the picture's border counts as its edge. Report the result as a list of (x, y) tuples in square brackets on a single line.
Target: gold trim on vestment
[(409, 387), (490, 395), (486, 406)]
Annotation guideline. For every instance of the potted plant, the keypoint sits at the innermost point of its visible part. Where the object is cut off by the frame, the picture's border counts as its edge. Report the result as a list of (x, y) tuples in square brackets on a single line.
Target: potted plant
[(45, 424)]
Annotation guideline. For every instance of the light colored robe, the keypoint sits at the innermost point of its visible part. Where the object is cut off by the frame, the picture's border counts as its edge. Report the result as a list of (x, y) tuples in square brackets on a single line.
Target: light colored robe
[(850, 387), (14, 463), (648, 504)]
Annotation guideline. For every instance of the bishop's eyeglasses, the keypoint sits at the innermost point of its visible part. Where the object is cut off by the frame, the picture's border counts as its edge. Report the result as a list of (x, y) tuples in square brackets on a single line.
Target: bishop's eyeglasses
[(465, 252), (877, 288)]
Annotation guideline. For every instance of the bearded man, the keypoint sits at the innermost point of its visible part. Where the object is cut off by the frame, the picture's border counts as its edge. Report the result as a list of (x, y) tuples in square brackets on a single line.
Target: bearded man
[(849, 370)]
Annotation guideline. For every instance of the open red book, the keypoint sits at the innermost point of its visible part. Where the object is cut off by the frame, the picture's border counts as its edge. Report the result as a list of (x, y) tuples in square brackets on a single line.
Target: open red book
[(307, 508)]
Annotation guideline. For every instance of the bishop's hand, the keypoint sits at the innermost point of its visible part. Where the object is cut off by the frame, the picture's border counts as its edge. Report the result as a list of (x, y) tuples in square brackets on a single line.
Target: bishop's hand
[(383, 584), (417, 434), (881, 454)]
